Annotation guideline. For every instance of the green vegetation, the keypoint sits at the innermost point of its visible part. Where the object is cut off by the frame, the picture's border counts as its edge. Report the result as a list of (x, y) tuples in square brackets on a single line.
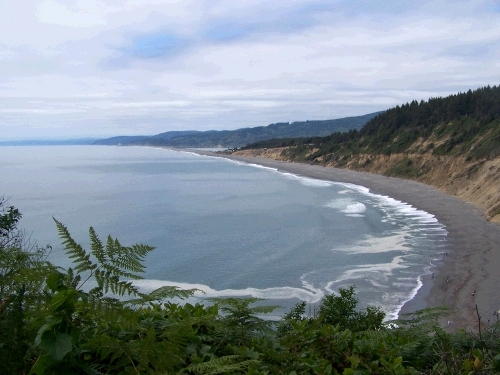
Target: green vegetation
[(91, 319), (405, 168), (465, 124), (495, 210), (241, 137)]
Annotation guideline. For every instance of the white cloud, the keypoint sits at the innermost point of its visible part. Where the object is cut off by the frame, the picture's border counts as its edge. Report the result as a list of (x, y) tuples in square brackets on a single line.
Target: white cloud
[(161, 104), (80, 13), (121, 67)]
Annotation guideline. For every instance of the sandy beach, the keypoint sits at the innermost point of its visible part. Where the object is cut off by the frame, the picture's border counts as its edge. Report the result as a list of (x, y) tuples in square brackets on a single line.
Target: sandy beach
[(467, 276)]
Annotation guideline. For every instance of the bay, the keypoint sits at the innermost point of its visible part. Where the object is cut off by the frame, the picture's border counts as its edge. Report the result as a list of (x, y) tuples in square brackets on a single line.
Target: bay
[(226, 228)]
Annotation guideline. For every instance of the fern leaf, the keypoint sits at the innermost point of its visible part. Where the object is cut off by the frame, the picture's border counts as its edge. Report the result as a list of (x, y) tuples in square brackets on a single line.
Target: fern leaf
[(221, 365), (114, 262), (73, 250), (163, 293), (96, 246)]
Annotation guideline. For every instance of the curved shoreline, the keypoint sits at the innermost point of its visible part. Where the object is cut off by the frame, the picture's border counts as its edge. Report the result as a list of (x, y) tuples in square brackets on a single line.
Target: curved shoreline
[(466, 277)]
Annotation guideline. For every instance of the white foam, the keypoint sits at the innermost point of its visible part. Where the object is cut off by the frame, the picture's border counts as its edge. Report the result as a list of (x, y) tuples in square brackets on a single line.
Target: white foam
[(339, 204), (391, 315), (393, 207), (191, 153), (358, 188), (204, 291), (366, 271), (378, 285), (374, 245), (392, 302), (309, 286), (259, 166), (355, 208), (306, 181)]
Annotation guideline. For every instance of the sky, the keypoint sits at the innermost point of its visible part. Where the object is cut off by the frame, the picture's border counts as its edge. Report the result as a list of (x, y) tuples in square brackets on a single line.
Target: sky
[(93, 68)]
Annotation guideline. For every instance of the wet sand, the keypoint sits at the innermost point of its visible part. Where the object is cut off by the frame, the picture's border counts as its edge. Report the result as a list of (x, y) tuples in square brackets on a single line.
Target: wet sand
[(468, 275)]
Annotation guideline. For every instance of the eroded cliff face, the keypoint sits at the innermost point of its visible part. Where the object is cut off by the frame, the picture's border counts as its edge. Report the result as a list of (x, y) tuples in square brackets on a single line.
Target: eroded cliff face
[(475, 181)]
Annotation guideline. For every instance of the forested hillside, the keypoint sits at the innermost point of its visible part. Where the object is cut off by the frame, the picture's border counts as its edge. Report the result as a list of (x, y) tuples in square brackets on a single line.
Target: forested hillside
[(241, 137), (452, 143)]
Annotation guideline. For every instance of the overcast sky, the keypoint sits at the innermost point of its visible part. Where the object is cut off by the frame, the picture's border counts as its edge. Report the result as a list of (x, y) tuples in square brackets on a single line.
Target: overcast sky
[(103, 68)]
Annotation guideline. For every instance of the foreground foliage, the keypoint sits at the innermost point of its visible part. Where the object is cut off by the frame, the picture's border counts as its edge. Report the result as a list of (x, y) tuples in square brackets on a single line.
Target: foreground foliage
[(91, 319)]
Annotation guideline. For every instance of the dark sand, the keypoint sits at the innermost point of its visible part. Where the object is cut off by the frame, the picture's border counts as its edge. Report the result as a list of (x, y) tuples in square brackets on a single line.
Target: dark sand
[(469, 275)]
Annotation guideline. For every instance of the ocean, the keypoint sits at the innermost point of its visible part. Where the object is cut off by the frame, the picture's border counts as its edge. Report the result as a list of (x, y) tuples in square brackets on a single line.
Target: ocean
[(225, 227)]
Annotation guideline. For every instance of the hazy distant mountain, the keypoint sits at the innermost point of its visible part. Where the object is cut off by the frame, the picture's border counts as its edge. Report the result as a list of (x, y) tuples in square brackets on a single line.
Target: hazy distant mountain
[(134, 139), (242, 137), (122, 139), (214, 138)]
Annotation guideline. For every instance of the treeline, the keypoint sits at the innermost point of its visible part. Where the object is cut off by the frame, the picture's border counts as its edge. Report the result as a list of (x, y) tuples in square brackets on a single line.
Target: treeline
[(91, 319), (465, 124)]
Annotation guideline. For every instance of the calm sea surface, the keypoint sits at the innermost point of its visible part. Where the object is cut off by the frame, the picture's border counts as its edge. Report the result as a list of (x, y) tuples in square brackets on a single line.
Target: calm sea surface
[(227, 228)]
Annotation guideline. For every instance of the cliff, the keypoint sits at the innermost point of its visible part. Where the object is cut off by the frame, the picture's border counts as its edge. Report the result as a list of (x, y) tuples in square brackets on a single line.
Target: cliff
[(450, 143)]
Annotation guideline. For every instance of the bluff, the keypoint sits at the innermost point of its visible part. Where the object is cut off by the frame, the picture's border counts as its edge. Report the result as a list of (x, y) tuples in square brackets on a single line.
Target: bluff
[(451, 143)]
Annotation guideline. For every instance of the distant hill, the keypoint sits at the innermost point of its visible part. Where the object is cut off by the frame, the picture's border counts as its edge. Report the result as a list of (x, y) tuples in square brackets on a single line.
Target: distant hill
[(119, 140), (452, 143), (137, 139), (241, 137), (49, 142)]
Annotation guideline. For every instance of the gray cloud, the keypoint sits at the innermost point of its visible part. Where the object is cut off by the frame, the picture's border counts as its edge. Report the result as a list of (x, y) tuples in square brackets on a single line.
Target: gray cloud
[(79, 68)]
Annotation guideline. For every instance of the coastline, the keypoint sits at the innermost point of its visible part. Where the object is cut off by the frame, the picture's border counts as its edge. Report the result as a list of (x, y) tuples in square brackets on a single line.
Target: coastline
[(465, 277)]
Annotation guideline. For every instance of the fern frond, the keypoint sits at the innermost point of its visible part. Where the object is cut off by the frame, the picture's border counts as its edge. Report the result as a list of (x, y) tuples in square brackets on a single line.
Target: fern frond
[(114, 262), (424, 317), (234, 305), (163, 293), (263, 309), (107, 282), (221, 365), (130, 258), (124, 261), (112, 310), (172, 292), (96, 246), (125, 287), (92, 368), (74, 251)]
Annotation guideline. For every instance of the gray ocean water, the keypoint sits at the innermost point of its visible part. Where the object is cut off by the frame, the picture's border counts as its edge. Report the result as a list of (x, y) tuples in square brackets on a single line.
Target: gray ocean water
[(226, 228)]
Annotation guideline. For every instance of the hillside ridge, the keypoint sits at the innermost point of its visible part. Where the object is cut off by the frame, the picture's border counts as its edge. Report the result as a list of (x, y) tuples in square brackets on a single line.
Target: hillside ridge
[(450, 143), (244, 136)]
